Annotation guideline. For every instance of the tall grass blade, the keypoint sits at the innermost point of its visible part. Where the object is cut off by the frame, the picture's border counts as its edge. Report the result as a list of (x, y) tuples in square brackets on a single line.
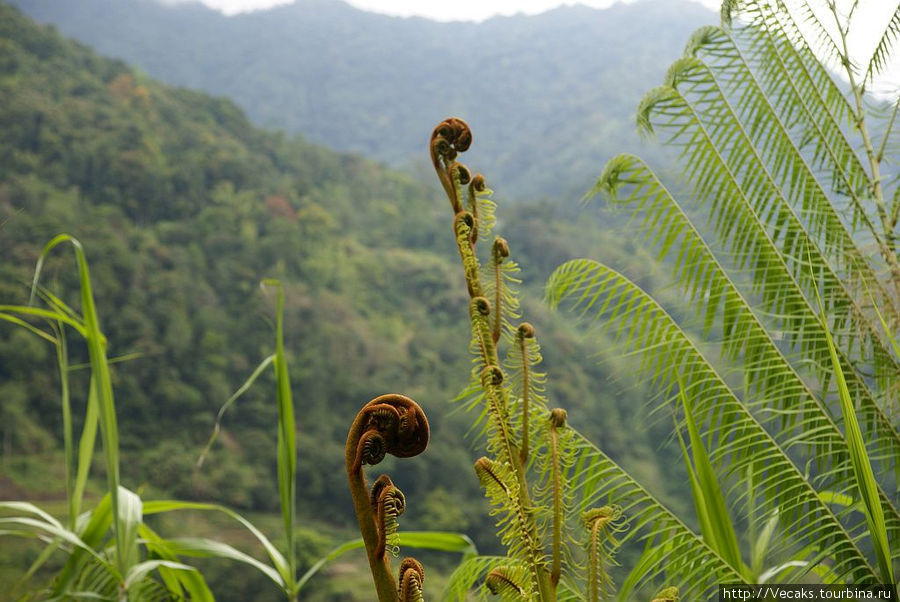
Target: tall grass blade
[(865, 477), (187, 584), (715, 520), (140, 571), (7, 311), (62, 360), (96, 343), (92, 529), (278, 560), (287, 445), (86, 445), (43, 526), (199, 547), (29, 327), (130, 516)]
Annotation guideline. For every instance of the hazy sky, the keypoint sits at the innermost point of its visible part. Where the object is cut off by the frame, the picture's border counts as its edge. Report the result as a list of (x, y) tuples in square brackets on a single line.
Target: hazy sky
[(461, 10), (868, 22)]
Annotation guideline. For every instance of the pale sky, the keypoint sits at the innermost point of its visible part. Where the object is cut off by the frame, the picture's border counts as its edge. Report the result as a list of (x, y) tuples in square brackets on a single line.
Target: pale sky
[(457, 10), (869, 19)]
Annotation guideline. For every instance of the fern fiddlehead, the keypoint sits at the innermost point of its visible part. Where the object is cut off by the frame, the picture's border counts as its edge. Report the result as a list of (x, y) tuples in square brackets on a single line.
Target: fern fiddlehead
[(601, 524), (504, 479), (557, 422), (534, 520), (389, 424), (412, 577), (388, 504)]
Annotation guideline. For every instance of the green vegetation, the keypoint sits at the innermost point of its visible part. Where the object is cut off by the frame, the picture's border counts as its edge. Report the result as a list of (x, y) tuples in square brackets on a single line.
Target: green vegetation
[(779, 373), (790, 403), (539, 475), (183, 208), (565, 82)]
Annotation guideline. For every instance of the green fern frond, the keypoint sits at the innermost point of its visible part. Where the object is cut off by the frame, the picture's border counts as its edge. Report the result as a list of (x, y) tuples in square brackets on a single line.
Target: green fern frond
[(482, 206), (673, 554), (527, 386), (882, 52), (500, 279), (823, 42), (726, 171), (498, 480), (768, 68), (554, 462), (510, 583), (651, 99), (737, 440), (602, 525), (802, 420), (469, 572)]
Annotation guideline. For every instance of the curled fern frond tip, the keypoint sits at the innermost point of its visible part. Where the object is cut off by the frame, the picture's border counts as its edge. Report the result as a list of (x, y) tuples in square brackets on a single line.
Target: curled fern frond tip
[(700, 38), (603, 514), (525, 330), (462, 173), (558, 418), (371, 449), (463, 222), (412, 578), (391, 424), (680, 69), (450, 137), (492, 375), (388, 503), (501, 249), (481, 306)]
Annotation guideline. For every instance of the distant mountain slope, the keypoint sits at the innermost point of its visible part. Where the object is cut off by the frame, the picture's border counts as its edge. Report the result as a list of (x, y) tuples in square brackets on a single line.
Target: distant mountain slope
[(550, 97), (183, 206)]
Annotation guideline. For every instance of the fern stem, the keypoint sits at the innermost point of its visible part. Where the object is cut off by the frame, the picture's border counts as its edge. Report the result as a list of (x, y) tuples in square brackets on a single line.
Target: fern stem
[(526, 394), (389, 424), (449, 138), (498, 300), (889, 249), (557, 421)]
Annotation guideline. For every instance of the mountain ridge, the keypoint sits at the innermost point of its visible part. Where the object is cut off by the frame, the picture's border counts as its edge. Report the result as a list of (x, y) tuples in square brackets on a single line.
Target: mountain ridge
[(551, 96)]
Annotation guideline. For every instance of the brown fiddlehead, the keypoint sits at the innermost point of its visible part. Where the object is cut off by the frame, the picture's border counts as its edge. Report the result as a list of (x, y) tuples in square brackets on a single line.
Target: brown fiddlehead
[(412, 577), (389, 424), (507, 474), (451, 136)]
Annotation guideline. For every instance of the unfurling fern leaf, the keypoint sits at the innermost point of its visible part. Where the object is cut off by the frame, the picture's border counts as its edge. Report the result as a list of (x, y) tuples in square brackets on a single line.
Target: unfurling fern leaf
[(507, 582), (602, 524)]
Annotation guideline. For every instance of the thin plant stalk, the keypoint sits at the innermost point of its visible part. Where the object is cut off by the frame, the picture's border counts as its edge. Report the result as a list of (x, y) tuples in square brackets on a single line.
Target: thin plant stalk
[(96, 344)]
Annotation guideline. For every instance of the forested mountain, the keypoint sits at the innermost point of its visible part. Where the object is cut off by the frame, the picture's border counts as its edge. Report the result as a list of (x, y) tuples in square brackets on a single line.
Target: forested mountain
[(183, 207), (551, 96)]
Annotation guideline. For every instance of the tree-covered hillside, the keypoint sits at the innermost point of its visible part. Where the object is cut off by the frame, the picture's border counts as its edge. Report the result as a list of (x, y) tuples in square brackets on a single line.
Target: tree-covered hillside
[(552, 96), (183, 207)]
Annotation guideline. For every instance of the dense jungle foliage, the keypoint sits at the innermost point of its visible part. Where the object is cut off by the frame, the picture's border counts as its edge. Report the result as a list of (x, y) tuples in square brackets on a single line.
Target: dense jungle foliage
[(183, 207), (764, 343)]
